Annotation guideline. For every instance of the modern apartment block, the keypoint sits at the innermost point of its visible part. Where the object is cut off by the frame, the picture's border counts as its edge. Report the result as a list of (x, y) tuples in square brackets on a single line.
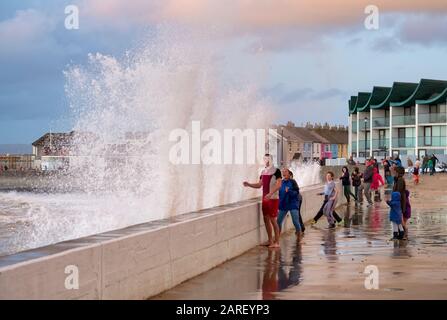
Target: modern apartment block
[(407, 119)]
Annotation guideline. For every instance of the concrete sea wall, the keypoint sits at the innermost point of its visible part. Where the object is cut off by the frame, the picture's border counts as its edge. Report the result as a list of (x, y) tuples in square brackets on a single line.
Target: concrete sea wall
[(143, 260)]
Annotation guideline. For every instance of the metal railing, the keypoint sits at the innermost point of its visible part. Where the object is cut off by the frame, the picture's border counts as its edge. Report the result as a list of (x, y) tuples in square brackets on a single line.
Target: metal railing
[(432, 118), (431, 141), (381, 144), (404, 120), (404, 142), (381, 122)]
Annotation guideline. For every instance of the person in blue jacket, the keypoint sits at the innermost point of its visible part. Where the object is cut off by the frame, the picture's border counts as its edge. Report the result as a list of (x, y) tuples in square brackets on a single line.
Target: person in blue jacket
[(396, 216), (289, 201)]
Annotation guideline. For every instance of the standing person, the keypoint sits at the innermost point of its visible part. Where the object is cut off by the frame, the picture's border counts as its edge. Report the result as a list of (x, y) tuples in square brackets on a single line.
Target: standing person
[(410, 167), (377, 183), (398, 161), (424, 164), (356, 178), (300, 202), (406, 214), (346, 182), (328, 188), (367, 180), (430, 166), (416, 170), (400, 186), (387, 171), (288, 201), (396, 216), (270, 181), (434, 160)]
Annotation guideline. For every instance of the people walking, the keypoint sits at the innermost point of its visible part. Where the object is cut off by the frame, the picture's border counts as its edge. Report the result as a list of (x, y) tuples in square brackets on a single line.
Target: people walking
[(289, 202), (346, 183), (270, 181), (330, 205)]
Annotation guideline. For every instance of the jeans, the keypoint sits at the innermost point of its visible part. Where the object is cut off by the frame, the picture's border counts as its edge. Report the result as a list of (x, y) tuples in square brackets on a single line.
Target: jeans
[(294, 213), (367, 191), (356, 192)]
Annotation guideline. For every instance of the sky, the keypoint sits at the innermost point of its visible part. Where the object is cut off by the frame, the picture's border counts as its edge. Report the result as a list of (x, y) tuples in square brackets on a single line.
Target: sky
[(316, 54)]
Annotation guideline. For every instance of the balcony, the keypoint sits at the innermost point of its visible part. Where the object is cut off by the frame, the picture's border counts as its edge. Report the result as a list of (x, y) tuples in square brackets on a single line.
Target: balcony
[(363, 125), (381, 122), (381, 144), (432, 141), (404, 142), (362, 145), (432, 118), (404, 120)]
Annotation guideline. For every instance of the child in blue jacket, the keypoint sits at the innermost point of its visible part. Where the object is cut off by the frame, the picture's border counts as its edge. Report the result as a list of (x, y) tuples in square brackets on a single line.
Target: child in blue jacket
[(396, 216)]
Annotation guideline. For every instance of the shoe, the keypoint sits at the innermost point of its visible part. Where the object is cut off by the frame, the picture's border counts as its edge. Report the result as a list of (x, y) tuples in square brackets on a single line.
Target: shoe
[(341, 222), (331, 226), (400, 235), (312, 222), (395, 236)]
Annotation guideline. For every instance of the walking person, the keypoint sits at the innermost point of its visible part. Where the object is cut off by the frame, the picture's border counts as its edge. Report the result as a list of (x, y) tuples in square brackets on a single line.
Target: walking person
[(416, 171), (270, 181), (346, 183), (367, 180), (387, 172), (410, 167), (356, 178), (430, 166), (328, 189), (289, 202)]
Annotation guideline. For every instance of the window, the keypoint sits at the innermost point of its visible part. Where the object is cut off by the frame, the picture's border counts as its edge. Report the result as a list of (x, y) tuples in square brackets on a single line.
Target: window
[(427, 136)]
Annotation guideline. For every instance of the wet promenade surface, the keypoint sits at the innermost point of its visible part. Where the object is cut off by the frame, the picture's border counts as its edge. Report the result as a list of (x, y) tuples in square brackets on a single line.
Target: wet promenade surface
[(330, 264)]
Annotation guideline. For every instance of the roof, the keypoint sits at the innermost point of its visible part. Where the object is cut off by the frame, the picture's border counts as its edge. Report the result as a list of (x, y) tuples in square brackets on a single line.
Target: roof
[(56, 138), (377, 95), (426, 89), (302, 134), (440, 98), (362, 99), (401, 94), (333, 136)]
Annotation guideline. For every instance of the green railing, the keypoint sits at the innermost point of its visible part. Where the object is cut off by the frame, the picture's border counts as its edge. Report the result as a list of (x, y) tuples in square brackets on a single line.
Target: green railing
[(432, 141), (404, 142), (362, 145), (381, 122), (381, 144), (404, 120), (432, 118)]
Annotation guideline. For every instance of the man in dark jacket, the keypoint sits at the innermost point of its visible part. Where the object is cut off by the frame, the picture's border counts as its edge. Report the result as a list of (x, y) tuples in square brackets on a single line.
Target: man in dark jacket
[(367, 180), (434, 160)]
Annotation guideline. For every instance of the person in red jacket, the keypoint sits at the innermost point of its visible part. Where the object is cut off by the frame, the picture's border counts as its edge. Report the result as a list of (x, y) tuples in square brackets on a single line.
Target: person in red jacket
[(377, 182)]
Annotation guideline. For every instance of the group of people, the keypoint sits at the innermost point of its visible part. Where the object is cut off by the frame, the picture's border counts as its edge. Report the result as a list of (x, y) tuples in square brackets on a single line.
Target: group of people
[(281, 195)]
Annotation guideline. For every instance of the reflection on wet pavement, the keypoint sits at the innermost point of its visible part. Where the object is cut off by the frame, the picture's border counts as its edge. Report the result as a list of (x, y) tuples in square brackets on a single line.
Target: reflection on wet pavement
[(330, 264)]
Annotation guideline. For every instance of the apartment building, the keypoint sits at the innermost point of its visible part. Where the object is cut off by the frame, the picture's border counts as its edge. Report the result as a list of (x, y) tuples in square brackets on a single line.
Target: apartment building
[(406, 119)]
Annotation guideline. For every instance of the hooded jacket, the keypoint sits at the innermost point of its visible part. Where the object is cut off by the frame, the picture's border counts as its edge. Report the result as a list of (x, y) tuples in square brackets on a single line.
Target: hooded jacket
[(395, 208), (289, 200)]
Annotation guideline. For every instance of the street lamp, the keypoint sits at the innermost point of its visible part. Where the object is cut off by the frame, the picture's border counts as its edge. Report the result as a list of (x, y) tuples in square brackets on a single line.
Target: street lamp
[(366, 135)]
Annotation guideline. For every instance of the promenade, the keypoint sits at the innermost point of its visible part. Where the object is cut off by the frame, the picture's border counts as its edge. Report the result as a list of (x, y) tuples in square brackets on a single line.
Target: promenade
[(330, 264)]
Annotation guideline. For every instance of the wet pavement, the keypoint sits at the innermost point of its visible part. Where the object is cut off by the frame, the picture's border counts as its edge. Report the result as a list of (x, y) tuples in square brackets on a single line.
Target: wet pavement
[(330, 264)]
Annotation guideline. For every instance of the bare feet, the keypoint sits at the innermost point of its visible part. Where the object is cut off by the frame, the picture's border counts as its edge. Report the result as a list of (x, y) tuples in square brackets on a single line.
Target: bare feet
[(266, 244), (274, 245)]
